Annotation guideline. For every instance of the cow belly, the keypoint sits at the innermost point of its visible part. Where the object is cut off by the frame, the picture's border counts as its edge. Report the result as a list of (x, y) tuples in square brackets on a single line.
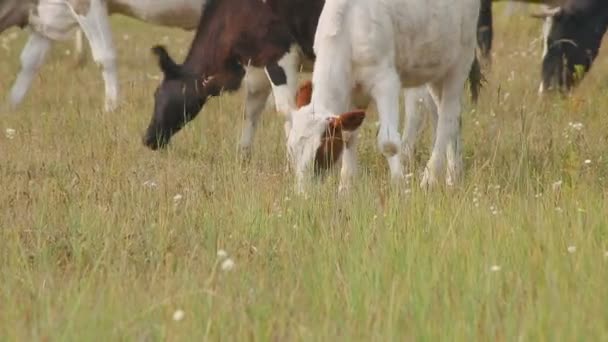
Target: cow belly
[(172, 13)]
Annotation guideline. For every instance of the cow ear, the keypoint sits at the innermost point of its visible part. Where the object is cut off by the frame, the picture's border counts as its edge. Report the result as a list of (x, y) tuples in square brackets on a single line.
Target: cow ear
[(304, 94), (166, 63), (349, 121)]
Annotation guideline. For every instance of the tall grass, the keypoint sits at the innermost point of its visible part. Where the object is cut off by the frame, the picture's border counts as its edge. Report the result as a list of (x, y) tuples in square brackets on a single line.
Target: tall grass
[(102, 239)]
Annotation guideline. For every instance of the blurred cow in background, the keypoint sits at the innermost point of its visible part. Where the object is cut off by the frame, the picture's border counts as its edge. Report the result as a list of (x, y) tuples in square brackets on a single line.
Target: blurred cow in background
[(572, 34)]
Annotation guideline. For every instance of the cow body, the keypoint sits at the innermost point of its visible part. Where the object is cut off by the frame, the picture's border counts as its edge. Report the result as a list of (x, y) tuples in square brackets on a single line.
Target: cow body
[(383, 46)]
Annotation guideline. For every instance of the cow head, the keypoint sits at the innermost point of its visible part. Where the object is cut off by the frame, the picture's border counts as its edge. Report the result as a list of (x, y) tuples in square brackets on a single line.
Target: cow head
[(573, 38), (177, 100), (318, 137)]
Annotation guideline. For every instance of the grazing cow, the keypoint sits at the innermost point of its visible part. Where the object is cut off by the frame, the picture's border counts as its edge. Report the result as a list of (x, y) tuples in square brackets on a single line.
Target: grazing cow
[(573, 37), (254, 34), (56, 19), (235, 38), (572, 34), (485, 30), (382, 46)]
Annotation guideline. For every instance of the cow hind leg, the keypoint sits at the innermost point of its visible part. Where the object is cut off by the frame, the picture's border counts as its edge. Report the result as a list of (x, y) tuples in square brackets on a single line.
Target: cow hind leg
[(80, 57), (447, 140), (258, 90), (32, 57), (96, 27), (417, 102)]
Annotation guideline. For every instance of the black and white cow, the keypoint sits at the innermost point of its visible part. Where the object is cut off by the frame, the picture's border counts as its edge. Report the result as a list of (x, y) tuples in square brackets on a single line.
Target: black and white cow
[(572, 36)]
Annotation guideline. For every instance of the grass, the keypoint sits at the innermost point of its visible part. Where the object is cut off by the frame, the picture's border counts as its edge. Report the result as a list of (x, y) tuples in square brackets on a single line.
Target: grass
[(94, 245)]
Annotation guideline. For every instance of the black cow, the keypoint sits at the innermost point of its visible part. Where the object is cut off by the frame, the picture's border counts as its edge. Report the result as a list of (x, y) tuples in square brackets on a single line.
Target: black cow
[(573, 37)]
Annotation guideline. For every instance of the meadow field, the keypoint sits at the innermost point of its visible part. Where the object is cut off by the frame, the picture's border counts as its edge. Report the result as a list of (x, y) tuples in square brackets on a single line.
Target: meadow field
[(102, 239)]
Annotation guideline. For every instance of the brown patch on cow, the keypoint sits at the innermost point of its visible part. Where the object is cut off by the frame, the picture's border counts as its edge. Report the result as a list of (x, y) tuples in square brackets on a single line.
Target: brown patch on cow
[(332, 141), (304, 94)]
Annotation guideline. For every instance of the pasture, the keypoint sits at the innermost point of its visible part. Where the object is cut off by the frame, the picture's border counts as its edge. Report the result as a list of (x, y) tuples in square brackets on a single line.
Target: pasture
[(103, 239)]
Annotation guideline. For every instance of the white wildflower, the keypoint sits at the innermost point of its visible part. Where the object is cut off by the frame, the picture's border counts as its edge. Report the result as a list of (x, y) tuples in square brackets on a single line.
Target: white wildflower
[(150, 184), (576, 125), (10, 133), (571, 249), (227, 265), (178, 315), (557, 185), (495, 268), (222, 254), (587, 161)]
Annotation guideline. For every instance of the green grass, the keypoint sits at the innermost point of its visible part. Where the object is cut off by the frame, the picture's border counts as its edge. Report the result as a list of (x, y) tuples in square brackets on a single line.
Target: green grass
[(88, 252)]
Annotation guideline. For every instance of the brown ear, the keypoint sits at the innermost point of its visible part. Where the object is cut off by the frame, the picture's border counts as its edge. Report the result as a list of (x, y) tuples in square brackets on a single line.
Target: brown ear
[(349, 121), (304, 94)]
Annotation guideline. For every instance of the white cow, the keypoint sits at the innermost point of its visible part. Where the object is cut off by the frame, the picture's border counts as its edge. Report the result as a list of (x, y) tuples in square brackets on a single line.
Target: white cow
[(56, 19), (383, 46)]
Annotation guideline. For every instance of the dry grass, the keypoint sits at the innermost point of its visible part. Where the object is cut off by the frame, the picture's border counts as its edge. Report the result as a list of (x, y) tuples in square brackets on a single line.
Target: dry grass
[(90, 250)]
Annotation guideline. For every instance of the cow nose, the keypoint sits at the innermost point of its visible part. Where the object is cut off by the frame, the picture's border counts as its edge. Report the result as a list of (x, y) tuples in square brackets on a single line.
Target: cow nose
[(151, 141)]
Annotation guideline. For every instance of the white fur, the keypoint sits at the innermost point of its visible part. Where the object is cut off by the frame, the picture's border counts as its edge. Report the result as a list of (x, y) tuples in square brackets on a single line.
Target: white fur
[(386, 45), (57, 19), (547, 25)]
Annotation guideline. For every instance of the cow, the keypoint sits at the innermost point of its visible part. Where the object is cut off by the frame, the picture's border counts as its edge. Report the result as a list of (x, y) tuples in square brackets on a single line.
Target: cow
[(485, 30), (258, 43), (275, 34), (573, 37), (382, 47), (572, 34), (52, 20)]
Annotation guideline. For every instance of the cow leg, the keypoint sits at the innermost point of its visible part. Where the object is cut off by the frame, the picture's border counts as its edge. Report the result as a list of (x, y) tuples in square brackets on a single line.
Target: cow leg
[(385, 90), (547, 24), (80, 56), (258, 89), (32, 58), (96, 28), (447, 142), (349, 161), (417, 100), (484, 30), (283, 77)]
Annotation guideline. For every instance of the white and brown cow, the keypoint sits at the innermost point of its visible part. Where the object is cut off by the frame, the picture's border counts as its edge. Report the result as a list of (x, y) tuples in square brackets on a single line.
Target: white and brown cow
[(383, 46)]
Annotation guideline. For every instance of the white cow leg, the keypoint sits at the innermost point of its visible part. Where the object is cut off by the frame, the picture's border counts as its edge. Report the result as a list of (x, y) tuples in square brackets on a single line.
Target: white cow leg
[(447, 141), (385, 90), (417, 100), (96, 28), (32, 58), (79, 52), (349, 161), (258, 89), (284, 81)]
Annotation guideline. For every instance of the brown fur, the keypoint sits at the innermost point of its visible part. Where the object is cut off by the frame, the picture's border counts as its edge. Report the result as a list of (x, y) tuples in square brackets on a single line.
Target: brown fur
[(231, 34), (332, 142)]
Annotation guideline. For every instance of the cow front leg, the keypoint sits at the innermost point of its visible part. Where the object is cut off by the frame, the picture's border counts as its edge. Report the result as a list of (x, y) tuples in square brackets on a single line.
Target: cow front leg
[(385, 90), (283, 77), (32, 57), (258, 90)]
